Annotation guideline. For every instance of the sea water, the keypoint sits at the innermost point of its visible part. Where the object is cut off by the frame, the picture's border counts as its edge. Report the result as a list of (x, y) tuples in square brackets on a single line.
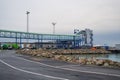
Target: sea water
[(113, 56)]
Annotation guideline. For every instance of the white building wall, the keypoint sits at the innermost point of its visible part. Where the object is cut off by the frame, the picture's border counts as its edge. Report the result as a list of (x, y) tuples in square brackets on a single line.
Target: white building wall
[(117, 46), (88, 36)]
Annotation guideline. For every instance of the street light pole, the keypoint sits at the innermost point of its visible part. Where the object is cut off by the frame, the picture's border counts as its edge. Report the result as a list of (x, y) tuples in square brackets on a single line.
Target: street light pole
[(27, 23), (53, 23)]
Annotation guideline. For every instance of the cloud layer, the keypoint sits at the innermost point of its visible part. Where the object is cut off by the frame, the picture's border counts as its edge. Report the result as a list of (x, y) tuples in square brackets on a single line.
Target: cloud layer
[(102, 16)]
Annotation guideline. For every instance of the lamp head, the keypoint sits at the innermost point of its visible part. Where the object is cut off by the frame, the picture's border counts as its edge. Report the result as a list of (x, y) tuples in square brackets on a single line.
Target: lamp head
[(27, 12), (53, 23)]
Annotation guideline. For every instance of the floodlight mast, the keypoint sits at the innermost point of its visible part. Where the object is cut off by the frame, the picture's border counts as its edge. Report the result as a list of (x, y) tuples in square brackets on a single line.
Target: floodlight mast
[(53, 23), (27, 12)]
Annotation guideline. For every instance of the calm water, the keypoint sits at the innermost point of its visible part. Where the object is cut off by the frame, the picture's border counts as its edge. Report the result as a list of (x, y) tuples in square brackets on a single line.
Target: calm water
[(113, 57)]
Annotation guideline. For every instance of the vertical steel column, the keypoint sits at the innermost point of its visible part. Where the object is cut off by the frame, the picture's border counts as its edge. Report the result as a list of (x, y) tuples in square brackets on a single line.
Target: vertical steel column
[(80, 42), (20, 41), (74, 40), (38, 42), (16, 39), (58, 42), (41, 41)]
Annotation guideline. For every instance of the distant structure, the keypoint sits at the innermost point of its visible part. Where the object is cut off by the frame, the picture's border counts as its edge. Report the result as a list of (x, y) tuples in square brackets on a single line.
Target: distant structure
[(43, 40), (53, 23), (27, 23), (86, 36), (80, 39), (117, 46)]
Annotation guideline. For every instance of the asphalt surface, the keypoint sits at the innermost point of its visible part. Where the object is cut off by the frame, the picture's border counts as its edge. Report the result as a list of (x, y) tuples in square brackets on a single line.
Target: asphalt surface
[(20, 67)]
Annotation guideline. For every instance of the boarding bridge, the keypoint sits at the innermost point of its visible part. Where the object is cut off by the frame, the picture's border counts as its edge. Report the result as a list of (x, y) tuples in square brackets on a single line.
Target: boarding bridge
[(76, 39)]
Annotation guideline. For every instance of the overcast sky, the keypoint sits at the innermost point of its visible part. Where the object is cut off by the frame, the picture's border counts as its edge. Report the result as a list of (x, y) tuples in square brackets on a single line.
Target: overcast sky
[(102, 16)]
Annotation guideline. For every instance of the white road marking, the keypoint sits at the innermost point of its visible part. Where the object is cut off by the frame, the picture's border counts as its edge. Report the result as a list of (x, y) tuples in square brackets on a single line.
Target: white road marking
[(68, 66), (35, 62), (91, 72), (31, 72)]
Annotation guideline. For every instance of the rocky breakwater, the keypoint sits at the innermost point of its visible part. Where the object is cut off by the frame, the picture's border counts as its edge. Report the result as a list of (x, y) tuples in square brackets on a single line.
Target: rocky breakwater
[(38, 53), (88, 61), (79, 51), (85, 61)]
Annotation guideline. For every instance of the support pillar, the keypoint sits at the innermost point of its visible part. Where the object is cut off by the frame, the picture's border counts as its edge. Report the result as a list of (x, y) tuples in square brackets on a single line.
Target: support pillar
[(38, 43), (16, 39), (20, 43), (41, 45), (74, 41)]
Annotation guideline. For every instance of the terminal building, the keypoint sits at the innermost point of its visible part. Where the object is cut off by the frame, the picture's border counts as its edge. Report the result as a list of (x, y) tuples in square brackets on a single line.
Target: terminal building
[(86, 36), (79, 39)]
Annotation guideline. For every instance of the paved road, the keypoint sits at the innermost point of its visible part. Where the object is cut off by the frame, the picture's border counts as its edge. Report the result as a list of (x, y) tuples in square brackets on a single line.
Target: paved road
[(18, 67)]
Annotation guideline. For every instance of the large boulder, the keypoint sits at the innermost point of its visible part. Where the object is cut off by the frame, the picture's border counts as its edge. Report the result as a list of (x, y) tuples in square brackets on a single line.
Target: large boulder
[(100, 62), (106, 64), (82, 61), (69, 58), (57, 57), (118, 64)]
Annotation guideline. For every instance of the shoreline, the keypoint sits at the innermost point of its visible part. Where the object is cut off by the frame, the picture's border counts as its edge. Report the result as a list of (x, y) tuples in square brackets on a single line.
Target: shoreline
[(71, 59)]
